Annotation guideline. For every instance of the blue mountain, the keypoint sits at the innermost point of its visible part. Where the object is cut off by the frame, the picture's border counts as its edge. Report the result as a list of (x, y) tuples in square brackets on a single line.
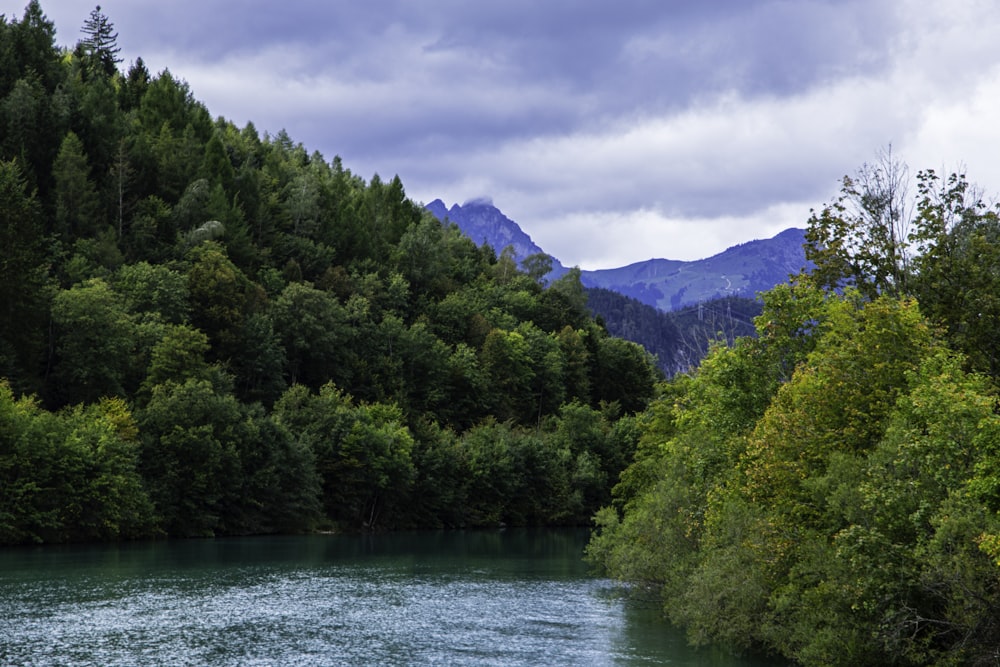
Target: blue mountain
[(485, 224), (742, 270)]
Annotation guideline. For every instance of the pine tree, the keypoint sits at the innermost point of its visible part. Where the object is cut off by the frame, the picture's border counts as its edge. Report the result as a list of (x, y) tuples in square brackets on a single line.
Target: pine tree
[(100, 43)]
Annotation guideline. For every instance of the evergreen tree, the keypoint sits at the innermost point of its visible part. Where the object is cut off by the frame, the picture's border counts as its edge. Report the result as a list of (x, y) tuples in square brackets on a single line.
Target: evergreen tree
[(76, 196), (23, 308), (100, 43)]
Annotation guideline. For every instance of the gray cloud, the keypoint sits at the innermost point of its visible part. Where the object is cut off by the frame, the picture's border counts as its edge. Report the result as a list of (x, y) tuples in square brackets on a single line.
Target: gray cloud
[(612, 131)]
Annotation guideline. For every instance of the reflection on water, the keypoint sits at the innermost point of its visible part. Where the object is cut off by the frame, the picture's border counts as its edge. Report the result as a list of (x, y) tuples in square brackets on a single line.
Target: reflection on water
[(515, 597)]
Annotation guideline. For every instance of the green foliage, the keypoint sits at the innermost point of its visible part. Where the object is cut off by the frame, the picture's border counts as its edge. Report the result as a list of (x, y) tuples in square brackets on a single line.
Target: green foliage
[(100, 43), (839, 514), (189, 455), (624, 373), (312, 327), (828, 490), (958, 268), (362, 453), (23, 281), (300, 348), (863, 239), (76, 196), (156, 292), (94, 338), (70, 475)]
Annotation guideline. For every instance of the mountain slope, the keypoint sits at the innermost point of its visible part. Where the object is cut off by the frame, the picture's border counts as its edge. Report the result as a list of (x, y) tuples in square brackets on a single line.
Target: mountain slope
[(742, 270), (678, 339), (485, 224)]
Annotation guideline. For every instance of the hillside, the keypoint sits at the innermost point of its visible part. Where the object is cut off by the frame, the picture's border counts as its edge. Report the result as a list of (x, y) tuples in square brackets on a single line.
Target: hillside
[(485, 224), (742, 270), (678, 339), (209, 331)]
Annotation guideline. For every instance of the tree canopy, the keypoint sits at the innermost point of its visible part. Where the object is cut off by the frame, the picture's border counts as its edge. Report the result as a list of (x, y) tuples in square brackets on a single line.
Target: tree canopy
[(206, 331), (826, 491)]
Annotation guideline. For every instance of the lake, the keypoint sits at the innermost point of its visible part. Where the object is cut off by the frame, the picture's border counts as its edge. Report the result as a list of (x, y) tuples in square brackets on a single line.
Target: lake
[(497, 598)]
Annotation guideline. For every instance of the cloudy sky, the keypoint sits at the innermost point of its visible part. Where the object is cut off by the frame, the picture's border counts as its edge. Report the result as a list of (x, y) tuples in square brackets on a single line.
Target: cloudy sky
[(611, 131)]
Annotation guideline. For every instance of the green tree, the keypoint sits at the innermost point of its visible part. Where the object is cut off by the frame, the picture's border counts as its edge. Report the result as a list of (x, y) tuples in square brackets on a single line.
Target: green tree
[(958, 265), (154, 291), (101, 128), (69, 476), (77, 207), (537, 266), (516, 477), (189, 458), (362, 453), (259, 370), (134, 86), (576, 363), (110, 500), (564, 303), (94, 339), (216, 167), (178, 356), (23, 281), (280, 488), (178, 128), (24, 464), (862, 239), (220, 296), (312, 327), (100, 43), (422, 256), (151, 233), (506, 361), (27, 125), (623, 373), (32, 48)]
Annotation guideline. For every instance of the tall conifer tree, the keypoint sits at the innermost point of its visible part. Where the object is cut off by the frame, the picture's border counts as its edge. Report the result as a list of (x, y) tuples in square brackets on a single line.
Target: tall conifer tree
[(100, 42)]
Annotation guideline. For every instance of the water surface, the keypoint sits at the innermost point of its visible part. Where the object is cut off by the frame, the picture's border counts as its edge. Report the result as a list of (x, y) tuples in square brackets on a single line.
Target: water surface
[(504, 598)]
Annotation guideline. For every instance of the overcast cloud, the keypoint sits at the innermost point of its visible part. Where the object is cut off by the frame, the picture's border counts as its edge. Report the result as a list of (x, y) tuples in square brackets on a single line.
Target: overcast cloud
[(612, 132)]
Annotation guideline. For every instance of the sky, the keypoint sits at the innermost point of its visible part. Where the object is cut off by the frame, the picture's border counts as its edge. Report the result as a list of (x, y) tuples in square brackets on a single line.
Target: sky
[(611, 131)]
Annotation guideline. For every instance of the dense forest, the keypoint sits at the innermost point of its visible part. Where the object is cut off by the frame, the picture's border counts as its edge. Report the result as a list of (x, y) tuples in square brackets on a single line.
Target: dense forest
[(829, 490), (207, 331), (679, 339)]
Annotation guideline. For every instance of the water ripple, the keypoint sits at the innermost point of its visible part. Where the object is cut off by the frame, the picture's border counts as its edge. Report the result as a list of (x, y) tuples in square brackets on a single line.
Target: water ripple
[(487, 609)]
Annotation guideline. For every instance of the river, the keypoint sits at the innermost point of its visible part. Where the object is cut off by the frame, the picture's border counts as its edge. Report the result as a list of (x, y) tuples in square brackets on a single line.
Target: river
[(497, 598)]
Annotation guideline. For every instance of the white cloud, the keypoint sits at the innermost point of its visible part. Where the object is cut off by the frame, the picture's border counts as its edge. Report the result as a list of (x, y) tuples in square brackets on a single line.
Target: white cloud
[(608, 239), (634, 152), (690, 176), (689, 184)]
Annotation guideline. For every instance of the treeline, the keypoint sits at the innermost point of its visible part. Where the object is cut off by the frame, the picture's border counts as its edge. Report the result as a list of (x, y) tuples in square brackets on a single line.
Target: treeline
[(829, 490), (678, 339), (206, 331)]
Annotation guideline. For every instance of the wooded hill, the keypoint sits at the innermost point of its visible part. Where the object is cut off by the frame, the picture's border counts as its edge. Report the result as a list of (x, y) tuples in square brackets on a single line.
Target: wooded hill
[(829, 490), (209, 331), (679, 332), (679, 339), (206, 331)]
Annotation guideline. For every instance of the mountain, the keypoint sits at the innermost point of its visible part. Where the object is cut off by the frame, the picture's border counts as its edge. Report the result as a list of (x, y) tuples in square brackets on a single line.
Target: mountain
[(678, 339), (742, 270), (485, 224)]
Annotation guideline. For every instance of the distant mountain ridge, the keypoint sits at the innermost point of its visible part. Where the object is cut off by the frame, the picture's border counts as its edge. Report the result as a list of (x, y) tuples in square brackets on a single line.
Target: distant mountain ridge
[(485, 224), (742, 270)]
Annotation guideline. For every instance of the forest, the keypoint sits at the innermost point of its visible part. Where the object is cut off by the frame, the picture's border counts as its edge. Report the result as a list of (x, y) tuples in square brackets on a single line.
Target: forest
[(828, 490), (206, 331)]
